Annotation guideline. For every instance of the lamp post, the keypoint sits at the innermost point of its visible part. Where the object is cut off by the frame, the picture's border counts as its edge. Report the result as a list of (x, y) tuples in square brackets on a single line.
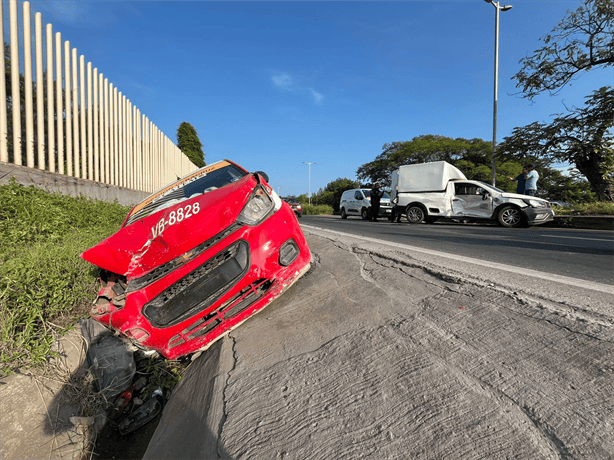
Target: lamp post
[(309, 183), (494, 114)]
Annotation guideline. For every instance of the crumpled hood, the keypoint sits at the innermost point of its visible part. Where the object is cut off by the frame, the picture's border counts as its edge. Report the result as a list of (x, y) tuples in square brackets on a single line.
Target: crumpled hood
[(156, 239), (522, 197)]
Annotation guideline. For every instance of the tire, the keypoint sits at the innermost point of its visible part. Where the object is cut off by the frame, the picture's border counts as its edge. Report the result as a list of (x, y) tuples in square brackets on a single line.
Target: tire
[(364, 214), (415, 214), (510, 217), (299, 215), (343, 214)]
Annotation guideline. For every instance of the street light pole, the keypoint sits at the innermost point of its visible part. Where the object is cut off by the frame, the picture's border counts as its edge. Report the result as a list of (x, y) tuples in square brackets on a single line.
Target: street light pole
[(309, 183), (496, 90)]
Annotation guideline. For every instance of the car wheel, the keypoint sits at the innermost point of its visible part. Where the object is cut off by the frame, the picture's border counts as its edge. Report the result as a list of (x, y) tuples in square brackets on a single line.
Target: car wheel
[(299, 215), (510, 217), (414, 214), (343, 214), (364, 214)]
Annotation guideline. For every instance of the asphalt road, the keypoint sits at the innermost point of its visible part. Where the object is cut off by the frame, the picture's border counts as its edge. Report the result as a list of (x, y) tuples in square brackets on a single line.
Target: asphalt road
[(582, 254)]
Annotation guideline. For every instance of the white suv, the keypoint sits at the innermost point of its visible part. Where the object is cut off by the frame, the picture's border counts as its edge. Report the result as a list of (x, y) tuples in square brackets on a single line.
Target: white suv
[(357, 202)]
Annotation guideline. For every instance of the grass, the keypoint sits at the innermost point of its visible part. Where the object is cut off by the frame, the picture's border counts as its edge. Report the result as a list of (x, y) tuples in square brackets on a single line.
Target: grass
[(314, 210), (601, 208), (44, 285)]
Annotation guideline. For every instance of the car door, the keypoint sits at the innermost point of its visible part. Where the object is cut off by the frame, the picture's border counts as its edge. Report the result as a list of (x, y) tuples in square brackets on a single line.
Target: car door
[(471, 200)]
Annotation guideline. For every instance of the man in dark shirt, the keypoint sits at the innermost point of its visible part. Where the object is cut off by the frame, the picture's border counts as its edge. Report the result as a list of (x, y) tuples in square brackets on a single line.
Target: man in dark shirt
[(520, 178), (376, 196)]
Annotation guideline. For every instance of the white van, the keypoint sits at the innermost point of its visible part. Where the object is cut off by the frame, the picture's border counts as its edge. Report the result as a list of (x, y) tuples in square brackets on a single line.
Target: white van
[(357, 202)]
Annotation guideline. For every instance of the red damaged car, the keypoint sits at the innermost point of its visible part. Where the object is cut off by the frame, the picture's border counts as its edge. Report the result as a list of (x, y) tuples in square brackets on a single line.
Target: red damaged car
[(196, 259)]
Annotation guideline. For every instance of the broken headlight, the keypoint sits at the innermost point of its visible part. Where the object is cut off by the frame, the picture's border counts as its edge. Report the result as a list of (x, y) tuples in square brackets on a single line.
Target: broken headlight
[(257, 208), (535, 203)]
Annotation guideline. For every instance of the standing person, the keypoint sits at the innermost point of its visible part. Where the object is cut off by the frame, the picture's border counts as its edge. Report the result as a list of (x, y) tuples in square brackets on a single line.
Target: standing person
[(520, 178), (376, 196), (530, 185)]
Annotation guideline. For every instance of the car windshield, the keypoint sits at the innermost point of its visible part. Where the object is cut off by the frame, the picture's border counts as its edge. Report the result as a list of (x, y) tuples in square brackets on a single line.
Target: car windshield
[(291, 200), (203, 181), (488, 186)]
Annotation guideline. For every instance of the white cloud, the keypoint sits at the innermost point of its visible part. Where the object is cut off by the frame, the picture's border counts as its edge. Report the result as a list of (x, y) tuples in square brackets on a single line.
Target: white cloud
[(317, 97), (287, 82), (283, 81)]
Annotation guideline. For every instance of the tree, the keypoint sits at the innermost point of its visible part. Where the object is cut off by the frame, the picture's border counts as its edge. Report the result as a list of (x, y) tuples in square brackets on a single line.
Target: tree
[(424, 149), (583, 138), (583, 40), (189, 143)]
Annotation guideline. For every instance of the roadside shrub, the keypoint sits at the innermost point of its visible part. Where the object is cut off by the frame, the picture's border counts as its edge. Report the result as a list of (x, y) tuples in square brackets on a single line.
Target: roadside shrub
[(599, 208), (314, 210), (44, 284)]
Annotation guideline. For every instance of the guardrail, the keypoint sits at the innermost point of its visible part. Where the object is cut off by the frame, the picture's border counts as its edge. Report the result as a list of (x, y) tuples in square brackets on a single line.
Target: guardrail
[(71, 120)]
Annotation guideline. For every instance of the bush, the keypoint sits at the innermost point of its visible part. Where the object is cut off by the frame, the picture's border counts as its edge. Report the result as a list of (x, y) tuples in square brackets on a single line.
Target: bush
[(313, 210), (43, 281), (599, 208)]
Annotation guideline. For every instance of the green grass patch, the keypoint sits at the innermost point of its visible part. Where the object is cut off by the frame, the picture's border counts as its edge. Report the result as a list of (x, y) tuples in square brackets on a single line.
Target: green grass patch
[(600, 208), (44, 285), (313, 210)]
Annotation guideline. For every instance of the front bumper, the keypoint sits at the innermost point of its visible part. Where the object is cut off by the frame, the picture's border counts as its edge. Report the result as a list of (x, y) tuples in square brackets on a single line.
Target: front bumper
[(195, 304), (537, 216)]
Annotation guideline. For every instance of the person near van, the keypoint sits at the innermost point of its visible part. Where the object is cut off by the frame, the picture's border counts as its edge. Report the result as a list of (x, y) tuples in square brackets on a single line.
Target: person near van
[(376, 196), (521, 180), (530, 185)]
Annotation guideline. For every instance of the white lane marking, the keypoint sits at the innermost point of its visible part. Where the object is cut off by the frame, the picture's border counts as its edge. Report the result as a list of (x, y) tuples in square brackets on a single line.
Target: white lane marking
[(600, 287), (579, 238)]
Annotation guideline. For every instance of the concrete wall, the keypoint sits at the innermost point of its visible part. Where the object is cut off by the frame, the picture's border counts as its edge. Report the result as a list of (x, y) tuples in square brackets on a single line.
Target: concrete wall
[(67, 185)]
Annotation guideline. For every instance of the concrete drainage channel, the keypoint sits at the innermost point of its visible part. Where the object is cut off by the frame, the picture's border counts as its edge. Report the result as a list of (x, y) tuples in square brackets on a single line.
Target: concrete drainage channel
[(381, 354)]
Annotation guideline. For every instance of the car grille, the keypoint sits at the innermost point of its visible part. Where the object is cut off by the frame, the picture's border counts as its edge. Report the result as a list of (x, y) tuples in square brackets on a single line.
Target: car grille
[(229, 309), (200, 288), (157, 273)]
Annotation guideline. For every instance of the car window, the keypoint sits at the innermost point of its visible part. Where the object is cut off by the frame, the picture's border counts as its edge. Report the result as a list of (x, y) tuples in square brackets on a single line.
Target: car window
[(358, 195)]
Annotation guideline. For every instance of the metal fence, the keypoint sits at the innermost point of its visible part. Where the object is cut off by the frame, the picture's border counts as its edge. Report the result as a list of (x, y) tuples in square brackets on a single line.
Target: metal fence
[(62, 116)]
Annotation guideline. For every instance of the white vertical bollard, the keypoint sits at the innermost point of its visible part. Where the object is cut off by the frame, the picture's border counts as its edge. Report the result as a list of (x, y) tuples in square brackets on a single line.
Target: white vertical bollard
[(4, 150), (121, 151), (113, 158), (105, 133), (16, 98), (90, 134), (116, 153), (40, 90), (67, 109), (130, 144), (50, 125), (27, 74), (82, 110), (96, 133), (75, 110), (58, 98)]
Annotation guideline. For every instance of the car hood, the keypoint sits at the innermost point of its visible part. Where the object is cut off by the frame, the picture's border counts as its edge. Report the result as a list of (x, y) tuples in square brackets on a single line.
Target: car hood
[(522, 197), (140, 247)]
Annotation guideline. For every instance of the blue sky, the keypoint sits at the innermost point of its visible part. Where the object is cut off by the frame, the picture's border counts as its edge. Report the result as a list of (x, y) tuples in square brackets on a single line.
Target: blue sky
[(271, 85)]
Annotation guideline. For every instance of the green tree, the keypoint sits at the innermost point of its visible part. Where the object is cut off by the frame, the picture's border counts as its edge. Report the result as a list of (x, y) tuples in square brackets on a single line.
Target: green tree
[(424, 149), (189, 143), (583, 138), (582, 41)]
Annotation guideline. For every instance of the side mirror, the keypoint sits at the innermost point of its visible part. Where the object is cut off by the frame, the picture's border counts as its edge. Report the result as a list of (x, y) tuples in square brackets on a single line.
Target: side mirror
[(485, 195), (263, 174)]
